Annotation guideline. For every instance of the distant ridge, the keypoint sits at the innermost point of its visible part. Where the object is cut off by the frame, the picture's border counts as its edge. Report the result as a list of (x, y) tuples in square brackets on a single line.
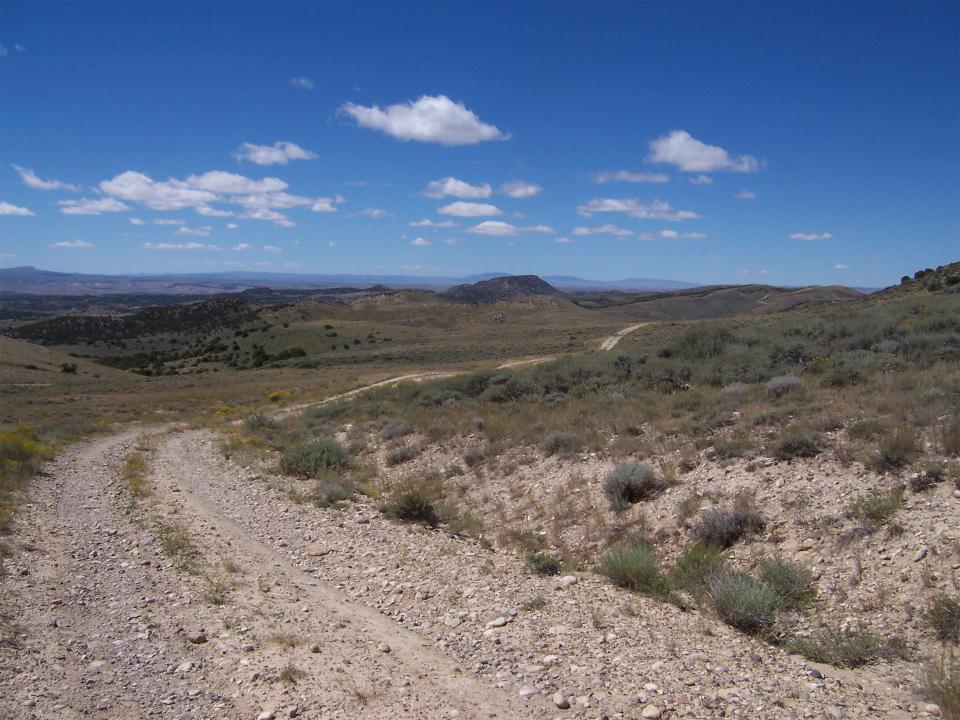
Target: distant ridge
[(513, 288)]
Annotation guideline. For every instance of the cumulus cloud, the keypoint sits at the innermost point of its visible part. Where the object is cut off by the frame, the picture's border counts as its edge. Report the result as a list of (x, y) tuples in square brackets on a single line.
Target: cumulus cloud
[(167, 221), (31, 180), (745, 195), (240, 247), (171, 195), (377, 213), (520, 189), (469, 209), (232, 226), (304, 83), (324, 204), (272, 249), (811, 236), (701, 180), (562, 240), (419, 242), (451, 187), (88, 206), (280, 153), (78, 244), (841, 266), (603, 230), (9, 209), (680, 149), (431, 224), (179, 246), (207, 211), (673, 235), (498, 228), (655, 210), (136, 221), (429, 119), (195, 232), (605, 176)]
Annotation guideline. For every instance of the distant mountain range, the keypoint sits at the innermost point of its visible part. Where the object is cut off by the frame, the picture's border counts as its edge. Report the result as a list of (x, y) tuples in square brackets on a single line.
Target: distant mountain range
[(27, 279)]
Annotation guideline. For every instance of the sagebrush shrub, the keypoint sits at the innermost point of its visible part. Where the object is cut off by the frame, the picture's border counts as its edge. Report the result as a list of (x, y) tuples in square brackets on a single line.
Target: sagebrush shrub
[(330, 493), (782, 384), (693, 569), (792, 582), (896, 449), (543, 563), (412, 504), (797, 443), (400, 455), (396, 428), (313, 458), (562, 444), (632, 565), (876, 507), (943, 617), (742, 601), (722, 527), (630, 483), (853, 650)]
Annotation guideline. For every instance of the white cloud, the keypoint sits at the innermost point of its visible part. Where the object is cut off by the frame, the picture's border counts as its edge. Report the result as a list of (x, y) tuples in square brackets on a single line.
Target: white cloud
[(179, 246), (655, 210), (603, 230), (562, 240), (686, 153), (451, 187), (331, 243), (323, 204), (19, 48), (220, 181), (701, 180), (240, 247), (841, 266), (302, 82), (499, 228), (164, 221), (605, 176), (431, 224), (72, 244), (272, 249), (429, 119), (91, 207), (673, 235), (8, 209), (31, 180), (280, 153), (745, 195), (171, 195), (419, 242), (207, 211), (195, 232), (811, 236), (451, 241), (469, 209), (520, 189), (377, 213), (136, 221), (232, 226)]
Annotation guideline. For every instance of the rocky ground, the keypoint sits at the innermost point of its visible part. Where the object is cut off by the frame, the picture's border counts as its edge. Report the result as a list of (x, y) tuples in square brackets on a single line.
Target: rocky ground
[(269, 605)]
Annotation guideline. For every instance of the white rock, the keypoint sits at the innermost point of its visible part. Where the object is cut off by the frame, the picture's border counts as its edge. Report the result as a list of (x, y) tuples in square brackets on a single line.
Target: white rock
[(921, 554), (650, 712), (561, 701), (267, 715), (566, 581), (527, 692)]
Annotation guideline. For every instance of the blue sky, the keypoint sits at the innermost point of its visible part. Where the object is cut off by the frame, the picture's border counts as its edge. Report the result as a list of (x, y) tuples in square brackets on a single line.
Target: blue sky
[(770, 142)]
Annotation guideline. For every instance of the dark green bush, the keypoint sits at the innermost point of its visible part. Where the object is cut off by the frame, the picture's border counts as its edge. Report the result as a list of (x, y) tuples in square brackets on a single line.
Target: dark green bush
[(313, 458), (543, 563), (330, 493), (413, 505), (562, 444), (797, 443), (400, 455), (943, 617), (694, 568), (722, 527), (632, 565), (742, 601), (875, 507), (792, 582), (630, 483), (896, 449)]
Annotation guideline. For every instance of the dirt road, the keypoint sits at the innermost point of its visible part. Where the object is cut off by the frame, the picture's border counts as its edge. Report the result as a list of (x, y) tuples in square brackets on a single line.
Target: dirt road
[(611, 342)]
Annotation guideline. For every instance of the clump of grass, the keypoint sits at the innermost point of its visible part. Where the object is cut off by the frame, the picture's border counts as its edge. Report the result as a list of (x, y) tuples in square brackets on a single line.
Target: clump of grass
[(21, 454), (400, 455), (314, 458), (876, 507), (792, 582), (694, 567), (722, 527), (632, 565), (781, 385), (630, 483), (866, 429), (413, 504), (280, 396), (737, 445), (950, 437), (943, 686), (853, 650), (134, 471), (259, 422), (562, 444), (331, 493), (943, 617), (543, 563), (176, 543), (538, 602), (896, 449), (290, 674), (797, 443), (395, 428), (737, 388), (284, 639), (742, 601)]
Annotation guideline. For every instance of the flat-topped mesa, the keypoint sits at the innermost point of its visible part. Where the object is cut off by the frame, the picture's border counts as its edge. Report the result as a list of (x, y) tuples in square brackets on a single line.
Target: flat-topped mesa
[(513, 288)]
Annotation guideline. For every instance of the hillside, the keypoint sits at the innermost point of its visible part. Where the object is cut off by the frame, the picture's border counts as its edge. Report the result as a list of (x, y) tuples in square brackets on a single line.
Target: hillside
[(717, 301), (510, 289)]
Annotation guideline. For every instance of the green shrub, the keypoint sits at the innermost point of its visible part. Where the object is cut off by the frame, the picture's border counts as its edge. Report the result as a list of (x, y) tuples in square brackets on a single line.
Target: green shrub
[(738, 445), (632, 565), (563, 444), (742, 601), (857, 649), (943, 686), (875, 507), (412, 504), (330, 493), (400, 455), (866, 429), (259, 422), (694, 568), (396, 428), (314, 458), (630, 483), (782, 384), (797, 443), (950, 437), (543, 563), (896, 449), (931, 476), (792, 582), (943, 617)]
